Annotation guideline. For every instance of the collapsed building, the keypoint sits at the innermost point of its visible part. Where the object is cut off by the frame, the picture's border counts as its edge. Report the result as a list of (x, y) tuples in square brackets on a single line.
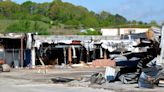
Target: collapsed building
[(26, 50), (12, 49), (56, 50), (132, 53)]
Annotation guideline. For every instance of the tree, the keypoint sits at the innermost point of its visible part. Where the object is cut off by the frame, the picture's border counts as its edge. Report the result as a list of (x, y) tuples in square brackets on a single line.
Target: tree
[(43, 9), (104, 15), (140, 22), (29, 7), (9, 8), (90, 22), (34, 15), (153, 23), (119, 19)]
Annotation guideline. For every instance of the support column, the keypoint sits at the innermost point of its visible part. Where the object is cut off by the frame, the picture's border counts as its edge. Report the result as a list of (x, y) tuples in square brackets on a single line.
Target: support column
[(33, 57), (162, 46), (74, 52), (21, 53), (88, 57), (105, 54), (101, 52), (64, 51), (70, 55)]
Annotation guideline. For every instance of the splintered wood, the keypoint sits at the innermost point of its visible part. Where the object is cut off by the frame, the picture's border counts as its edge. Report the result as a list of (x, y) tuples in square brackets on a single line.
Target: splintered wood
[(43, 68)]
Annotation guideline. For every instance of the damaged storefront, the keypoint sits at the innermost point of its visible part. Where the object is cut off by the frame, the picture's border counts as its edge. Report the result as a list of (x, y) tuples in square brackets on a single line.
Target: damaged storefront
[(15, 51), (58, 52), (12, 52)]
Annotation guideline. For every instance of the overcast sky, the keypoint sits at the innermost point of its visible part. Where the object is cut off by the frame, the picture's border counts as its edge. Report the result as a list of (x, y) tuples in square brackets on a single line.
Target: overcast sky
[(141, 10)]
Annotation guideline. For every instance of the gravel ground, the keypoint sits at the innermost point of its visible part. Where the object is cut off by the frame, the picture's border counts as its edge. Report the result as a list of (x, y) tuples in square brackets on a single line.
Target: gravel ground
[(33, 81), (14, 85)]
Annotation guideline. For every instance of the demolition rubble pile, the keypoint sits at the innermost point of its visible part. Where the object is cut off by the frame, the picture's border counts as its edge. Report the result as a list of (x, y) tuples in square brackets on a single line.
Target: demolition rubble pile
[(134, 67), (130, 62)]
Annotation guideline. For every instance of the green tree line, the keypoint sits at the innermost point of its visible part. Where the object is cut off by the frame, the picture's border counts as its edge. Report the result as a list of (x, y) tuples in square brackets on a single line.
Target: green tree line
[(32, 16)]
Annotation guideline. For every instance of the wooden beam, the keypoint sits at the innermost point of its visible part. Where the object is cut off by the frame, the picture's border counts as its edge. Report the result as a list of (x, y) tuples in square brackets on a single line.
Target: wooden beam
[(70, 55)]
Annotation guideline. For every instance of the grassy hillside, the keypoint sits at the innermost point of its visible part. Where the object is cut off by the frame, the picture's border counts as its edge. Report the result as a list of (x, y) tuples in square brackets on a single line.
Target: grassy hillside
[(46, 28), (63, 31), (5, 23), (23, 26)]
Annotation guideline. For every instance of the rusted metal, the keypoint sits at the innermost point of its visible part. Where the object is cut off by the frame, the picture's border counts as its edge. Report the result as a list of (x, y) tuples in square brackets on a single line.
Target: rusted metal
[(70, 55)]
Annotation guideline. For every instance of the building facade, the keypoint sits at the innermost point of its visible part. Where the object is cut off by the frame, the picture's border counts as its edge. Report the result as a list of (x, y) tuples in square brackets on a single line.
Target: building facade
[(121, 31)]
